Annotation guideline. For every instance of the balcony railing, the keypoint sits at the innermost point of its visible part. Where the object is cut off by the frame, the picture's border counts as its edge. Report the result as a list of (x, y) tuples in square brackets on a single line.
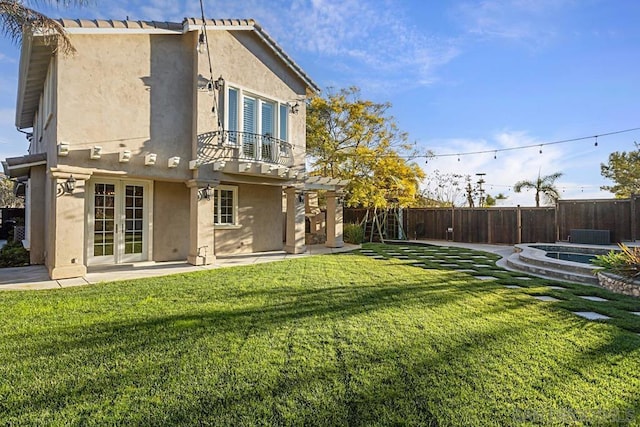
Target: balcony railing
[(235, 145)]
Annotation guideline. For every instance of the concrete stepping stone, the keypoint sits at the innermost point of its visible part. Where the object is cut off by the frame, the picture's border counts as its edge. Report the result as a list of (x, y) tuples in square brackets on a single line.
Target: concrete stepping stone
[(481, 266), (513, 286), (637, 313), (378, 257), (546, 298), (522, 278), (557, 288), (449, 265), (590, 298), (466, 270), (591, 315), (486, 277), (419, 265)]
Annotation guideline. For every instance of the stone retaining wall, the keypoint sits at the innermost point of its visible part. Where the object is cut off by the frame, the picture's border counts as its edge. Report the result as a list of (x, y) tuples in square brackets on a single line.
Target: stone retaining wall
[(619, 284)]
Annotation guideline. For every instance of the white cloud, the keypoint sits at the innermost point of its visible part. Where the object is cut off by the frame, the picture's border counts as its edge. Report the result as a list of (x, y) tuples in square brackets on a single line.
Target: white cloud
[(528, 21), (507, 168)]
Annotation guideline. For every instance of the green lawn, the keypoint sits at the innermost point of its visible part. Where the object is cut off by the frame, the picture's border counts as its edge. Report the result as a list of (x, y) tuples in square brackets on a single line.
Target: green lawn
[(326, 340)]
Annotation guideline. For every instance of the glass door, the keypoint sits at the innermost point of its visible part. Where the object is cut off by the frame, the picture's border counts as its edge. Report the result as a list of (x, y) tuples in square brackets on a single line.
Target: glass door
[(118, 222)]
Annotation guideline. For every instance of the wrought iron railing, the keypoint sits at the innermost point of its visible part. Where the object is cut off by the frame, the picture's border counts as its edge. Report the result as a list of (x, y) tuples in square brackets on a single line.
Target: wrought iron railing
[(235, 145)]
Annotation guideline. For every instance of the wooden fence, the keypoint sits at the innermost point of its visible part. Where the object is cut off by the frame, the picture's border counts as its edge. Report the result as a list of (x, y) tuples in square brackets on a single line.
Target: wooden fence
[(510, 225)]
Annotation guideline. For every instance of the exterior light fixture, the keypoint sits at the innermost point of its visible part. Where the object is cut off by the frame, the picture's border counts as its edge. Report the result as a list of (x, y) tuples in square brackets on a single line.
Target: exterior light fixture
[(206, 193), (219, 83), (70, 185), (301, 197), (202, 43), (293, 107)]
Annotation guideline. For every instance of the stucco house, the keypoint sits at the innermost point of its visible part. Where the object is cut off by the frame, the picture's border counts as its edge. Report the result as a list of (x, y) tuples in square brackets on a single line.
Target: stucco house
[(160, 141)]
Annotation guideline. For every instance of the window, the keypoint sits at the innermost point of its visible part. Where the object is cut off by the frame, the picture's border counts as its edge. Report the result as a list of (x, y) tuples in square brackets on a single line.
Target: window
[(261, 120), (225, 205)]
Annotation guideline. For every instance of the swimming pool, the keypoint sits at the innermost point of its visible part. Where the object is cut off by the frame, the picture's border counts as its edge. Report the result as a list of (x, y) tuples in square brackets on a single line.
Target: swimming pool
[(571, 256)]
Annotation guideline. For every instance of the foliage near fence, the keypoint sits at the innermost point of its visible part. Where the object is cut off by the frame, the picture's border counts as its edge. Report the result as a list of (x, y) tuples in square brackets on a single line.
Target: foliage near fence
[(511, 225)]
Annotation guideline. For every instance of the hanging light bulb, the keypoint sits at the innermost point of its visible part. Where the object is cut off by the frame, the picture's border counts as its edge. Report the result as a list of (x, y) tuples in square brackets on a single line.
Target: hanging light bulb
[(596, 143), (540, 148), (495, 155)]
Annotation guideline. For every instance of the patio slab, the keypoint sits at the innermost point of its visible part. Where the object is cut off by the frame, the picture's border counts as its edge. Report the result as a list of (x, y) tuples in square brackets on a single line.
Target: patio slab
[(590, 298), (546, 298), (591, 315), (486, 278)]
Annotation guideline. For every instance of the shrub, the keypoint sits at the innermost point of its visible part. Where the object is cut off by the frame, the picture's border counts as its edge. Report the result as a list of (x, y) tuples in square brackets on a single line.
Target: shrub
[(625, 262), (13, 254), (353, 233)]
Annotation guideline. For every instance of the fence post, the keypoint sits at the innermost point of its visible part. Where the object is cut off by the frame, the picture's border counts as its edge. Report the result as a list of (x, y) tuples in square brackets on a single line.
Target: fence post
[(519, 225), (633, 198)]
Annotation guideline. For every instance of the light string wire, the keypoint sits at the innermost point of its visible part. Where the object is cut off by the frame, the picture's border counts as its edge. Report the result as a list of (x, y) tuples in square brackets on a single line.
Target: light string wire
[(523, 147)]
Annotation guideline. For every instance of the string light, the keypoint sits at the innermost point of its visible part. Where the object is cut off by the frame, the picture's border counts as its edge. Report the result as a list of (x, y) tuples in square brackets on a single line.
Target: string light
[(596, 143), (564, 141)]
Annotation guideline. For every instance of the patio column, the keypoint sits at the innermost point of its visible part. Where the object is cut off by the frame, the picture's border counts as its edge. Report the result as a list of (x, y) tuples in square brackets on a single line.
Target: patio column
[(295, 221), (334, 220), (66, 237), (201, 231)]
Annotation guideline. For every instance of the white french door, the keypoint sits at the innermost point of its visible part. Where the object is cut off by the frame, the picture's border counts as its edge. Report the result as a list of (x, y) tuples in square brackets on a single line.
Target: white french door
[(118, 226)]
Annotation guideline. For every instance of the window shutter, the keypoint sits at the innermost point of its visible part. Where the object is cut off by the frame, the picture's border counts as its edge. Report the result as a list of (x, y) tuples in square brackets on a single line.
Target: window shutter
[(284, 115), (233, 110)]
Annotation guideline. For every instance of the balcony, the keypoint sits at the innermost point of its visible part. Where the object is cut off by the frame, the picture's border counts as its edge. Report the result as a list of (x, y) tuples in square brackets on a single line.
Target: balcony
[(245, 147)]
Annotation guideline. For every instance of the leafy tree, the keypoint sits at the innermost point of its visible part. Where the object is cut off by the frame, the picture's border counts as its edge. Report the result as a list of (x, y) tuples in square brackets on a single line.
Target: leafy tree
[(7, 197), (16, 16), (493, 200), (443, 189), (543, 185), (624, 169), (354, 139)]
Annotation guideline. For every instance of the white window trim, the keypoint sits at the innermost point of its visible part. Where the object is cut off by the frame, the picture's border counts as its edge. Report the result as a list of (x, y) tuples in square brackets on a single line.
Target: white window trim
[(259, 97), (216, 206)]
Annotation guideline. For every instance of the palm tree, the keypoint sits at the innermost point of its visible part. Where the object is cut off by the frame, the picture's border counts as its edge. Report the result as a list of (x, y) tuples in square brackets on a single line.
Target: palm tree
[(544, 185), (16, 18)]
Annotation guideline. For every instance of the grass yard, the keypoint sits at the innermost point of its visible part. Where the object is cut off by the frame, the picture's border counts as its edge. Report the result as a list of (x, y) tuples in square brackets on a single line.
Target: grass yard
[(388, 335)]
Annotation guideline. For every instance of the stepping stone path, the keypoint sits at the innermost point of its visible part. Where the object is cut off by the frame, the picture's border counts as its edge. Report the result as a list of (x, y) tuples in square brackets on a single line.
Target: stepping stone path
[(590, 298), (546, 298), (591, 315)]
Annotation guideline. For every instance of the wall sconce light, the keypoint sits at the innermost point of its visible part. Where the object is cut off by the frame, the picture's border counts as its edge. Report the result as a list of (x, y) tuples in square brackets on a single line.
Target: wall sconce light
[(96, 152), (150, 159), (206, 193), (219, 84), (174, 162), (293, 107), (202, 43), (124, 156), (70, 185), (63, 149), (301, 197)]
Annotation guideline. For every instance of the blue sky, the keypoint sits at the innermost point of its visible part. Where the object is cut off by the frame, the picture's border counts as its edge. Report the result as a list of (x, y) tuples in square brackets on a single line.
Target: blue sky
[(462, 76)]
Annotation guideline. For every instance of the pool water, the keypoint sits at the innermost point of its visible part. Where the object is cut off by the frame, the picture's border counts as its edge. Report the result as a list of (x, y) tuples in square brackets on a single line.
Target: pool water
[(573, 257)]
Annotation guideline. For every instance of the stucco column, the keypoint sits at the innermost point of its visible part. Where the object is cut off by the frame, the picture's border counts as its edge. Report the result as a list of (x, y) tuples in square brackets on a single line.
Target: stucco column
[(334, 220), (66, 236), (201, 232), (295, 222)]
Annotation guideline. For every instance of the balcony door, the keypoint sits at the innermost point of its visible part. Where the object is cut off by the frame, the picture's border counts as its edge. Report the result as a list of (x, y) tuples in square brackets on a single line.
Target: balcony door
[(118, 226)]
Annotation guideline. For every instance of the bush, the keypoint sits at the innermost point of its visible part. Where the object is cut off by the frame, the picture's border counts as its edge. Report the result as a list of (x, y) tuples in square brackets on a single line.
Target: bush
[(13, 254), (625, 262), (353, 233)]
